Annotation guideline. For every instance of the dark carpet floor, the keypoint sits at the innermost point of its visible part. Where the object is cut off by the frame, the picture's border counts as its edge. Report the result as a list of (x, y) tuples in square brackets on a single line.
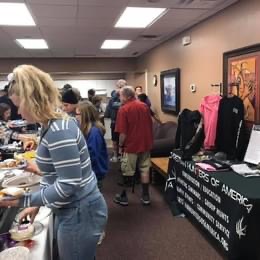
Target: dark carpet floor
[(138, 232)]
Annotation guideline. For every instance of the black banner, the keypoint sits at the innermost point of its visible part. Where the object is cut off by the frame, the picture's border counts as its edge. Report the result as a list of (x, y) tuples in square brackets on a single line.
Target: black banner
[(222, 213)]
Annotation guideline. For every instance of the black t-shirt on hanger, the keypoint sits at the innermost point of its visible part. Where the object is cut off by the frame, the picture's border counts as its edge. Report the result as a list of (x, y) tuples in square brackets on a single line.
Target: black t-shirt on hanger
[(230, 137)]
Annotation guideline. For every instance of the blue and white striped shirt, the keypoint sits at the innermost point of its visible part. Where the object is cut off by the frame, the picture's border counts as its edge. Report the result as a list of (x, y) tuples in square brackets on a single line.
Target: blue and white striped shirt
[(63, 159)]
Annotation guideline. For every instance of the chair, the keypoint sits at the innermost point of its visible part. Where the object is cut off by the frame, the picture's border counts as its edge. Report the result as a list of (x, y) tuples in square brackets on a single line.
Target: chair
[(164, 138)]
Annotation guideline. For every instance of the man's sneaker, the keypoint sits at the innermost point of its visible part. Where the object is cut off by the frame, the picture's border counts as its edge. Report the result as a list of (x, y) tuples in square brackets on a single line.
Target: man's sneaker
[(121, 199), (114, 159), (146, 199)]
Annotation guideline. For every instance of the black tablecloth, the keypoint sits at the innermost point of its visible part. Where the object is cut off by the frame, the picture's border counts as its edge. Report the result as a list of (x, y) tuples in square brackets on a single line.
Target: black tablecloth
[(223, 205)]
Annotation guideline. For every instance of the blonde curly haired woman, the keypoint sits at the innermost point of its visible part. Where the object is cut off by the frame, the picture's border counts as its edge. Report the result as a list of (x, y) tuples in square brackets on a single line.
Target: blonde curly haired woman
[(68, 186)]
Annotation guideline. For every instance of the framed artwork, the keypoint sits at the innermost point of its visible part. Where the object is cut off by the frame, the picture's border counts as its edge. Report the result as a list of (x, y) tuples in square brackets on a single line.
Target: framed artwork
[(170, 91), (241, 77)]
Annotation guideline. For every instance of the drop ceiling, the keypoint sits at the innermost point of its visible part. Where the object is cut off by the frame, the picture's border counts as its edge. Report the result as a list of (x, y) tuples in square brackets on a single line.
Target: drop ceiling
[(77, 28)]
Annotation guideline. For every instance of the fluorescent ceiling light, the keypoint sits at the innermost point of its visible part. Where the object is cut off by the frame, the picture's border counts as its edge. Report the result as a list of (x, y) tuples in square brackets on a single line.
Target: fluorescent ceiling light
[(138, 17), (115, 44), (15, 14), (32, 43)]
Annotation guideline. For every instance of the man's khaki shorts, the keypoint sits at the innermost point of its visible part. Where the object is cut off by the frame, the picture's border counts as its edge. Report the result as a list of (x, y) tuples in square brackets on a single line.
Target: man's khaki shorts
[(132, 161)]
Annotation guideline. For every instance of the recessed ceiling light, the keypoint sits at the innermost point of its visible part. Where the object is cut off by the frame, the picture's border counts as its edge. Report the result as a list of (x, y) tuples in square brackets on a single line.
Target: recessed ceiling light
[(32, 43), (139, 17), (15, 14), (115, 44)]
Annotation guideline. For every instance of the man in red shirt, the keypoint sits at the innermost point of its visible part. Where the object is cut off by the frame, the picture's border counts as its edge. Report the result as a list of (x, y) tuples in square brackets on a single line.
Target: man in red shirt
[(134, 124)]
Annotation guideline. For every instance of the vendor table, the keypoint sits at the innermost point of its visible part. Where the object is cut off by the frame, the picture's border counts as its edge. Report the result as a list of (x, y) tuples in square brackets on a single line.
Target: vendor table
[(223, 205)]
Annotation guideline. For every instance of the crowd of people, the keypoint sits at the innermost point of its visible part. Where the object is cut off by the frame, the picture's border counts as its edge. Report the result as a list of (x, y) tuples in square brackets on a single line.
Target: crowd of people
[(72, 154)]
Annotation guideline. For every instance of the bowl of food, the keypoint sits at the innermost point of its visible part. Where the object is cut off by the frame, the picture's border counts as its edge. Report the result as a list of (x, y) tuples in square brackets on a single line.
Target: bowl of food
[(11, 193), (21, 232), (12, 164)]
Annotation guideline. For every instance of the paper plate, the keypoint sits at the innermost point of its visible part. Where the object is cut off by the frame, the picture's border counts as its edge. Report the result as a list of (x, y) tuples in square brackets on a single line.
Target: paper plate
[(17, 123), (21, 165), (14, 253), (22, 181)]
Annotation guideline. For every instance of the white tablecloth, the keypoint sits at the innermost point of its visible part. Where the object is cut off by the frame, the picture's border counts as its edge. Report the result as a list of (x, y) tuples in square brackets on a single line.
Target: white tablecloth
[(43, 241)]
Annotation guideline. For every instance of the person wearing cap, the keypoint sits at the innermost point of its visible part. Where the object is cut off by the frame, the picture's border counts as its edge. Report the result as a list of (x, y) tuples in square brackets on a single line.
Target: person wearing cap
[(111, 112), (67, 87), (70, 101), (91, 94)]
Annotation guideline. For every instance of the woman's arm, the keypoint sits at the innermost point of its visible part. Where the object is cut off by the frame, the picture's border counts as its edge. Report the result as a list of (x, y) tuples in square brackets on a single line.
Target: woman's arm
[(65, 156)]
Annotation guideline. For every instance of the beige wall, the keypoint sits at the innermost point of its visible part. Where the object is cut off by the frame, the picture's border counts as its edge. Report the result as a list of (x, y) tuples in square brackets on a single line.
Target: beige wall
[(88, 76), (130, 78), (136, 79), (201, 61), (140, 80), (92, 65)]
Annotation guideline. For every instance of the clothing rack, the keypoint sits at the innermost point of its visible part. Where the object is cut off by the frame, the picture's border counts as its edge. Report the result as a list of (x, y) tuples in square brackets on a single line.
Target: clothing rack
[(220, 86)]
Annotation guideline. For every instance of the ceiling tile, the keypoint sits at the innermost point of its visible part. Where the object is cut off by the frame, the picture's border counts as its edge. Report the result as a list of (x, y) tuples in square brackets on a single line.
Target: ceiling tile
[(63, 42), (22, 32), (89, 41), (40, 53), (158, 31), (109, 3), (6, 40), (14, 53), (127, 34), (86, 50), (161, 3), (62, 52), (91, 31), (78, 27), (55, 22), (186, 4), (58, 31), (55, 2), (97, 23), (175, 15), (205, 4), (54, 11), (99, 12), (13, 1)]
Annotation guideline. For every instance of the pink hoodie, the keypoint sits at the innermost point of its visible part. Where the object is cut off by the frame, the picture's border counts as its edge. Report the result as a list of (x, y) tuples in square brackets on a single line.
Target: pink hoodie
[(209, 110)]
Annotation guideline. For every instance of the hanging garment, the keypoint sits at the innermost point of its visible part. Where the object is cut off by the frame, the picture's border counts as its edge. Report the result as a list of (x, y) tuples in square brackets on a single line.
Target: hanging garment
[(230, 136), (209, 110), (190, 135)]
